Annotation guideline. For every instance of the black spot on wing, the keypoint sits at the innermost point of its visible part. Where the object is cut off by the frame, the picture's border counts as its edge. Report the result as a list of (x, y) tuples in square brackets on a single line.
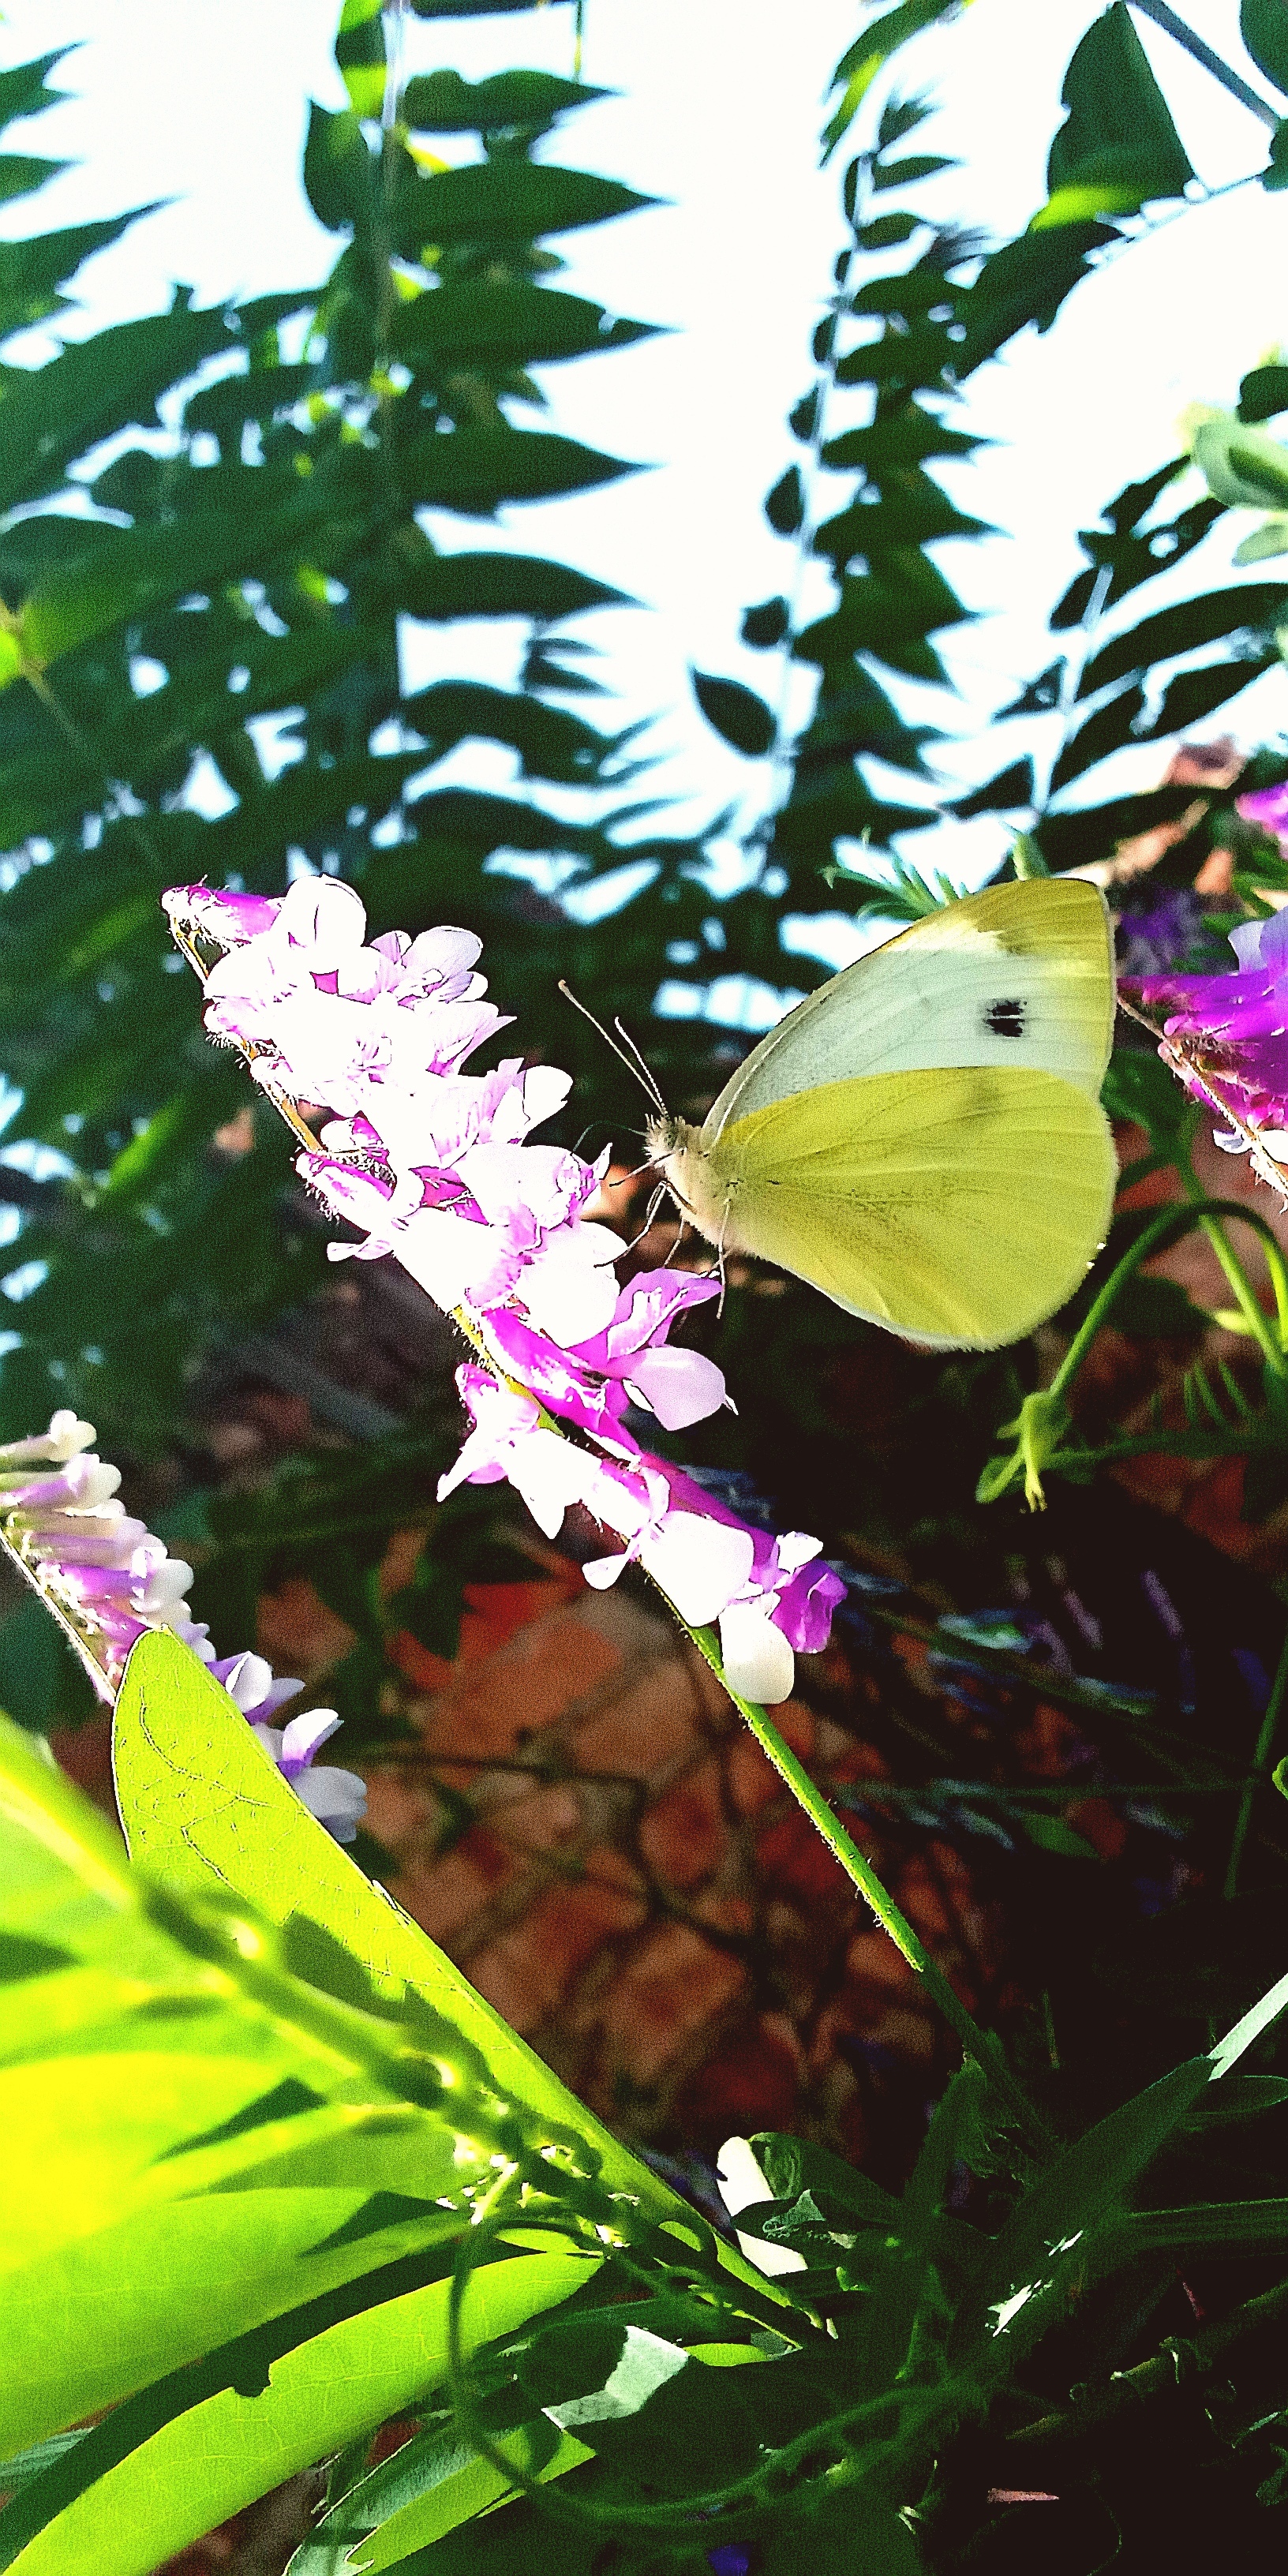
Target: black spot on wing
[(1005, 1019)]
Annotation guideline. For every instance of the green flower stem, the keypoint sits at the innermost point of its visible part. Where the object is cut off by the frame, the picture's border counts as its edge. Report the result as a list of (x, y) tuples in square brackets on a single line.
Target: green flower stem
[(1262, 1764), (1204, 1213), (1273, 1343), (976, 2043)]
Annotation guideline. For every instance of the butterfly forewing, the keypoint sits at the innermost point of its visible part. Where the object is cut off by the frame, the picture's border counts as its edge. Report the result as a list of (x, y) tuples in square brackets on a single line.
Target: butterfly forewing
[(958, 1206), (1018, 978)]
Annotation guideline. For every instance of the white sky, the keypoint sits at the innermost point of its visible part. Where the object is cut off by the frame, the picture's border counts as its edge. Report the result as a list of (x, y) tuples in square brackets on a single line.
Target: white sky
[(204, 102)]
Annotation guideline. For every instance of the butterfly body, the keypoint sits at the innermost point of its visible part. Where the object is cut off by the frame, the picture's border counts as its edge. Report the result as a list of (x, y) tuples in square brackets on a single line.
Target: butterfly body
[(922, 1139)]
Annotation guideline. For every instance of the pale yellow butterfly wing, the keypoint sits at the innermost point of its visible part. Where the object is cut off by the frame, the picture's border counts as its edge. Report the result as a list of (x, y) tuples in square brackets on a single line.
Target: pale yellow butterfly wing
[(958, 1206), (1019, 976)]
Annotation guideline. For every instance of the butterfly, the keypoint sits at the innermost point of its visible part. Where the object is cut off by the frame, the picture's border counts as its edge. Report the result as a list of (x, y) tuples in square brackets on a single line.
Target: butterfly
[(922, 1138)]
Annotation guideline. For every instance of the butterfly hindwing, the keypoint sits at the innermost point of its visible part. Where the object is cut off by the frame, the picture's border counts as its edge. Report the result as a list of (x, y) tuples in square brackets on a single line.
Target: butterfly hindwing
[(1018, 977), (958, 1206)]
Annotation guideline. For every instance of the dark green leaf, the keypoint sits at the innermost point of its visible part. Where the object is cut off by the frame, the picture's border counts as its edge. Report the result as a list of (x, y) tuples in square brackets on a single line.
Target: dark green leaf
[(476, 470), (1192, 623), (504, 326), (472, 8), (766, 625), (1263, 393), (339, 175), (868, 55), (1025, 281), (25, 91), (1262, 27), (500, 585), (518, 201), (1004, 794), (735, 713), (259, 394), (21, 173), (442, 103), (1118, 147), (1275, 174), (785, 505), (32, 271), (903, 438), (105, 384), (1103, 732)]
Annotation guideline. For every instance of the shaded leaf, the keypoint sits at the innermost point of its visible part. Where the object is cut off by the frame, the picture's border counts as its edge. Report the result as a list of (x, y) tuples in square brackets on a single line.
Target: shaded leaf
[(735, 713), (1182, 629)]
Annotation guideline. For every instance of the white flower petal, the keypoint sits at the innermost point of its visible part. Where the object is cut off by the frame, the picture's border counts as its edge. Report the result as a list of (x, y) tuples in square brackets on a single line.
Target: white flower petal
[(758, 1662), (680, 1387), (700, 1564)]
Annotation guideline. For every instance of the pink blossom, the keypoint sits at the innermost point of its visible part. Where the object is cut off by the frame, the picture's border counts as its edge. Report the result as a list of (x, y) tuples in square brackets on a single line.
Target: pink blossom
[(1269, 807), (111, 1581), (436, 1167)]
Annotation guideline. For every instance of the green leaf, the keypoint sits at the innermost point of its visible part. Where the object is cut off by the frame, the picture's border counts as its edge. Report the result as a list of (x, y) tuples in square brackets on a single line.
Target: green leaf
[(431, 2486), (476, 470), (442, 103), (142, 568), (1275, 174), (340, 179), (32, 271), (209, 2463), (22, 173), (1263, 393), (24, 91), (1103, 732), (518, 201), (1045, 2246), (1262, 27), (1118, 147), (869, 54), (360, 55), (199, 1801), (512, 325), (735, 713), (56, 412), (502, 585), (785, 506), (1244, 467), (1193, 622)]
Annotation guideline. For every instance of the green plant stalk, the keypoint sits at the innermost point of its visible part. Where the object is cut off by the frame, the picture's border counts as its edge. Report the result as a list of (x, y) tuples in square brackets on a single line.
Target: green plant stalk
[(1273, 1345), (1262, 1764), (976, 2043), (1201, 1211)]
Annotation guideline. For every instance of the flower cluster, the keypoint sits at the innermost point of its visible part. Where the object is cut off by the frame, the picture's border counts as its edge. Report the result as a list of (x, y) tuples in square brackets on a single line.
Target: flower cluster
[(435, 1166), (108, 1580), (1227, 1035)]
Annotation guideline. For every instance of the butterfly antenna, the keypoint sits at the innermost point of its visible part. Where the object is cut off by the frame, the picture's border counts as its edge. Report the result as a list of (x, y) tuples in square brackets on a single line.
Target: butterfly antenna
[(646, 1070), (645, 1079)]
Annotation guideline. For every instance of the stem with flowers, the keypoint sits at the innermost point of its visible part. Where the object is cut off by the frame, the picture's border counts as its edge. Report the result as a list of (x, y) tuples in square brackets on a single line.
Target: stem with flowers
[(434, 1166)]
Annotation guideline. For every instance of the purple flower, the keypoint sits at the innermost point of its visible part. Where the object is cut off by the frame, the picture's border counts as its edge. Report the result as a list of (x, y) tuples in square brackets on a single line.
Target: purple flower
[(1227, 1035), (436, 1167), (109, 1581), (1269, 807)]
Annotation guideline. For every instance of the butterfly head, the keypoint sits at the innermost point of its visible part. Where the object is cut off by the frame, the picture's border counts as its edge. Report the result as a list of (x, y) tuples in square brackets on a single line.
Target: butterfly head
[(673, 1149)]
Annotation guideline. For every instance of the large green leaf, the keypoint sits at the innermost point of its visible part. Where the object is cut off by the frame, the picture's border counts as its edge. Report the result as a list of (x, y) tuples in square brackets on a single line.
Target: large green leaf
[(442, 103), (1118, 146), (869, 54), (517, 201), (500, 585), (104, 384), (476, 470), (1208, 619), (206, 2464), (514, 325), (1265, 33), (200, 1801)]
